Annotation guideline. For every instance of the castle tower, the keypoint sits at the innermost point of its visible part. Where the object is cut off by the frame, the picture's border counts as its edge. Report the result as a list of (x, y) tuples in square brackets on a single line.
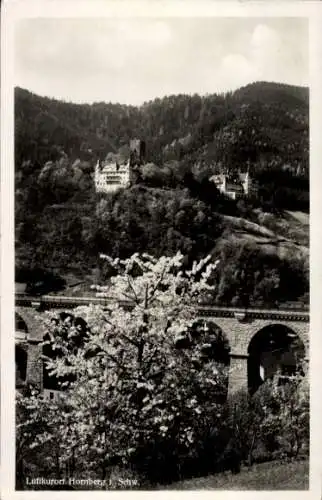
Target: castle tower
[(224, 183), (97, 174), (247, 184), (137, 152), (97, 166)]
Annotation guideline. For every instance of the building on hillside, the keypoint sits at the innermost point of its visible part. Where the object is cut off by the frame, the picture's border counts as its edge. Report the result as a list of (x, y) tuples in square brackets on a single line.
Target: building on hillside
[(109, 177), (114, 174), (233, 187)]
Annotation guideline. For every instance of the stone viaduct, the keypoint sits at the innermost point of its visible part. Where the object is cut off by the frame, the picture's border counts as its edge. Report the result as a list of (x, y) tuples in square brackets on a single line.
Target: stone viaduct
[(239, 326)]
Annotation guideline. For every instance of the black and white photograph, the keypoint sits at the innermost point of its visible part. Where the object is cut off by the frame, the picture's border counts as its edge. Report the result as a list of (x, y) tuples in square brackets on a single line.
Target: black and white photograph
[(161, 253)]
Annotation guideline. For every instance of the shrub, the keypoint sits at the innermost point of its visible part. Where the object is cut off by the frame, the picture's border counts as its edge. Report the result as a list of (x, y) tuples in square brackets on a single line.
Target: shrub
[(271, 424), (285, 426)]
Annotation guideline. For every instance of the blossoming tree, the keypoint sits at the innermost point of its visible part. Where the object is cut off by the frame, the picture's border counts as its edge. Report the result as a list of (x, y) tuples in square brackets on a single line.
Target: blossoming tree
[(137, 382)]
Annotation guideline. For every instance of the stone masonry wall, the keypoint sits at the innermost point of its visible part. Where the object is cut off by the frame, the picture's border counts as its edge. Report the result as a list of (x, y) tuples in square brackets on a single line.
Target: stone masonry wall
[(34, 364), (238, 332)]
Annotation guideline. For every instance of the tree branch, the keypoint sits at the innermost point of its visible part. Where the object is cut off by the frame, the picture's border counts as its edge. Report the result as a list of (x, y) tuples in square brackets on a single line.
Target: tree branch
[(158, 283), (133, 289), (133, 342), (149, 361)]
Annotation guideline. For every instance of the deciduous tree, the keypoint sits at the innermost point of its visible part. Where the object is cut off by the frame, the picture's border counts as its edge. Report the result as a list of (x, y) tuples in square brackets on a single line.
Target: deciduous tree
[(138, 398)]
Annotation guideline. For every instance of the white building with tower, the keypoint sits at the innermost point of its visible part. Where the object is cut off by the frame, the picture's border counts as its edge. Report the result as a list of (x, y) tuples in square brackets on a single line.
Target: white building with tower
[(114, 174), (109, 177), (234, 188)]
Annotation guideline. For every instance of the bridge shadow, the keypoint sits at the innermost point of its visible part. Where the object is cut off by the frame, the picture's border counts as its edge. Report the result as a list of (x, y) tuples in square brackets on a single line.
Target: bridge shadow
[(21, 366)]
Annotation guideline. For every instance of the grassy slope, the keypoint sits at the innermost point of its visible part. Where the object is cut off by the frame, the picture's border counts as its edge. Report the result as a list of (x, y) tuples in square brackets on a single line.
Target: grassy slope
[(301, 217), (266, 476), (285, 236)]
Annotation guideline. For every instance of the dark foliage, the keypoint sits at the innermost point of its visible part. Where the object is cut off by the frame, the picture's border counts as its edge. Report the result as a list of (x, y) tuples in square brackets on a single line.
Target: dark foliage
[(62, 224), (248, 276), (282, 190), (260, 123)]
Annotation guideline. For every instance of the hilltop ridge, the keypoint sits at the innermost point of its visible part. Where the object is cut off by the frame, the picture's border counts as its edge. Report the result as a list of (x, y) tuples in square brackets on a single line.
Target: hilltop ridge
[(217, 127)]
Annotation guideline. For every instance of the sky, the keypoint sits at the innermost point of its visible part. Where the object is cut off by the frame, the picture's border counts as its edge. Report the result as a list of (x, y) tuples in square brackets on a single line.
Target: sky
[(138, 59)]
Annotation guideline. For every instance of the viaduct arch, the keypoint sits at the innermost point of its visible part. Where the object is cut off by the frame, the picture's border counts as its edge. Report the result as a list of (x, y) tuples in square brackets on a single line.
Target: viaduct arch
[(240, 327), (30, 342)]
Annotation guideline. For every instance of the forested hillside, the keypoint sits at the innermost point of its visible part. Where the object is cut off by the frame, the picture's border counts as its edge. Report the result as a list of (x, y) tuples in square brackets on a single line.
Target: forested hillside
[(263, 123), (61, 223)]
